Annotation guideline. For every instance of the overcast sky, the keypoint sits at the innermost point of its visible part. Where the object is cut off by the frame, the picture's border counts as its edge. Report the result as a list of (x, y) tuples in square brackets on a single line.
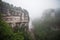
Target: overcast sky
[(35, 7)]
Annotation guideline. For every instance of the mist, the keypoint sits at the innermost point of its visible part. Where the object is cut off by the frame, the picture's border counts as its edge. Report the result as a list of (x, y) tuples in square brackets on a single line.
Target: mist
[(30, 19), (35, 7)]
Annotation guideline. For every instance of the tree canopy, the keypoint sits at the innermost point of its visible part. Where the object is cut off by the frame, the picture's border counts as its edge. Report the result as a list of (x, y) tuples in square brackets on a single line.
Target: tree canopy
[(48, 28)]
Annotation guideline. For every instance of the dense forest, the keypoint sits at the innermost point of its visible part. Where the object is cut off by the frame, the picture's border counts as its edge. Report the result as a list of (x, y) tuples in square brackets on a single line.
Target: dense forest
[(48, 27)]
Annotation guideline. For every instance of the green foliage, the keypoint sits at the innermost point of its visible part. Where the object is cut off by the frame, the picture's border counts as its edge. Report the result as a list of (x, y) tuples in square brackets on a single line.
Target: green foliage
[(6, 32), (49, 27), (18, 36), (25, 34)]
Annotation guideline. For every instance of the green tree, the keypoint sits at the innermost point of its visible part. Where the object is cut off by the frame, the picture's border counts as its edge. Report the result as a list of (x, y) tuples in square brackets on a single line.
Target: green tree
[(5, 30), (48, 27)]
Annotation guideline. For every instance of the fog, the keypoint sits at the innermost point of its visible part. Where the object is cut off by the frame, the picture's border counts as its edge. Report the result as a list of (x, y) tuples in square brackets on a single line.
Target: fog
[(35, 7)]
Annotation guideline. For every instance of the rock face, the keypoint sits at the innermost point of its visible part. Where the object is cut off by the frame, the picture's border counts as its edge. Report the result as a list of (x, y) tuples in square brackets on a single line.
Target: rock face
[(15, 16)]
